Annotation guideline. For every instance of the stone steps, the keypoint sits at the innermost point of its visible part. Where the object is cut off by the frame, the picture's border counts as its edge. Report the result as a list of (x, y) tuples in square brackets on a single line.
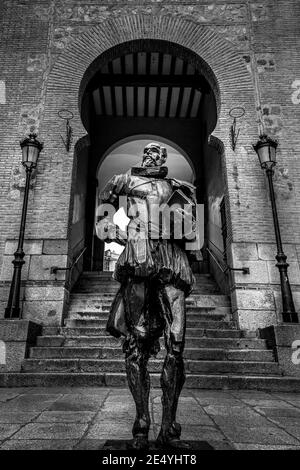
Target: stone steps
[(118, 365), (217, 354), (190, 323), (203, 315), (101, 331), (106, 352), (192, 342), (200, 300), (205, 289), (110, 379)]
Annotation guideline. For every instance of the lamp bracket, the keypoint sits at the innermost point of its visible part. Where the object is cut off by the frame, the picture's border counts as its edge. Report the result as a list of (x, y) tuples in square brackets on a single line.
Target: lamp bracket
[(235, 113), (67, 116)]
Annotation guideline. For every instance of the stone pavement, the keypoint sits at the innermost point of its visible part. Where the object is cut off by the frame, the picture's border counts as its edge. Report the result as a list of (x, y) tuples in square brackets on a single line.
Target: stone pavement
[(84, 418)]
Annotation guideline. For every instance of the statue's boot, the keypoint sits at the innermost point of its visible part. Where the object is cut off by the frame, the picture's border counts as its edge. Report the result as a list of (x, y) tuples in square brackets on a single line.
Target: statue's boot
[(139, 385), (172, 381)]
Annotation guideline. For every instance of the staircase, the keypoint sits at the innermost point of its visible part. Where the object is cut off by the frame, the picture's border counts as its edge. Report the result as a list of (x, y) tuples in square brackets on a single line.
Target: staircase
[(217, 354)]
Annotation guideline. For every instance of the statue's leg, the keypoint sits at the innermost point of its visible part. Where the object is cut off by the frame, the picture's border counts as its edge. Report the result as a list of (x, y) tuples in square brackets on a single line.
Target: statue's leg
[(173, 376), (136, 359)]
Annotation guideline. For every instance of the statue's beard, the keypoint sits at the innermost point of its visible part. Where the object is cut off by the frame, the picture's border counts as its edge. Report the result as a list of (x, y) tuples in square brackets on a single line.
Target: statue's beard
[(149, 161)]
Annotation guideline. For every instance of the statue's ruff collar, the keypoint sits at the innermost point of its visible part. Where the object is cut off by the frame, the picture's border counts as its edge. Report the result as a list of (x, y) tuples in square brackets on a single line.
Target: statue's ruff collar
[(151, 172)]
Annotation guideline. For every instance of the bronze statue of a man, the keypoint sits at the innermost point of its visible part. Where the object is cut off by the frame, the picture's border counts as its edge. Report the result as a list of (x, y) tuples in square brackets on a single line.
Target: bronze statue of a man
[(155, 278)]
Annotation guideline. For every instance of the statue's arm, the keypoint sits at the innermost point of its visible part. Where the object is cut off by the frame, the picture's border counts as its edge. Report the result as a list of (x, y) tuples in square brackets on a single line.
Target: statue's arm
[(115, 187)]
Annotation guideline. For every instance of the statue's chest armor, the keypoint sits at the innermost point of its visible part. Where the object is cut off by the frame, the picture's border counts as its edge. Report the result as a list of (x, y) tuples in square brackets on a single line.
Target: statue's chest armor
[(154, 191)]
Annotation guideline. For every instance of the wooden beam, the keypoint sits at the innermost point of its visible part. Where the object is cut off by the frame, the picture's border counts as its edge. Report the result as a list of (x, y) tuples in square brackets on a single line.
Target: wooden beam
[(190, 104), (190, 81), (181, 92), (169, 95), (112, 91), (148, 69), (135, 101), (124, 97), (103, 107)]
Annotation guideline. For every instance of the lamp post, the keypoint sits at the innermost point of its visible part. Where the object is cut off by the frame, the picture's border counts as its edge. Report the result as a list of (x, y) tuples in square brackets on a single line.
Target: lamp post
[(31, 148), (266, 151)]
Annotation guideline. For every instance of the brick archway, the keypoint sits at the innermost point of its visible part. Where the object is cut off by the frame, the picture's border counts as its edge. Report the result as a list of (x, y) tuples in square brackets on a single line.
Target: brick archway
[(222, 65)]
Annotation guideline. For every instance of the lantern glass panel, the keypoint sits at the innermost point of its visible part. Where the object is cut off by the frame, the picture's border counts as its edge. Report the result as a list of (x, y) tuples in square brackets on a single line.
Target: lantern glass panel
[(263, 154), (273, 153), (30, 155), (266, 154), (24, 154)]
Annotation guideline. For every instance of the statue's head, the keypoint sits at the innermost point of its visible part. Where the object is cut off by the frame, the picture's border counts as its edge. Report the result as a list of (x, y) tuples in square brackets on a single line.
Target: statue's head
[(154, 155)]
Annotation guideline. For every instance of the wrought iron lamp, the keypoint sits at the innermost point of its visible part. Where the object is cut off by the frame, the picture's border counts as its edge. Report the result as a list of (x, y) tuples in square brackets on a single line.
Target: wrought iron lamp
[(266, 151), (31, 148)]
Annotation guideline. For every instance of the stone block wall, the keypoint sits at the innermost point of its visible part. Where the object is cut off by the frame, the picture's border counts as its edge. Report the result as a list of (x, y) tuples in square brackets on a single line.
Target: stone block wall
[(44, 294), (256, 297)]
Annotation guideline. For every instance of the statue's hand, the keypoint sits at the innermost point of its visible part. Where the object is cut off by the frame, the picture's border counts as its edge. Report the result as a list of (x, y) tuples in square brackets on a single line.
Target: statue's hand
[(109, 232)]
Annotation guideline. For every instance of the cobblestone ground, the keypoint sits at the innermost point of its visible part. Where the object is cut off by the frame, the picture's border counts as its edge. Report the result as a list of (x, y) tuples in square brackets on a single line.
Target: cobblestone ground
[(84, 418)]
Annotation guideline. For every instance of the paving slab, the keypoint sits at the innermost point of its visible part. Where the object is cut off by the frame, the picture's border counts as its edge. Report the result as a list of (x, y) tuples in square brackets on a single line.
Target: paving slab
[(280, 412), (61, 431), (211, 394), (251, 394), (201, 433), (39, 444), (242, 422), (78, 402), (29, 402), (284, 421), (86, 417), (294, 401), (113, 430), (206, 401), (65, 417), (8, 430), (116, 407), (18, 417), (89, 444), (90, 391), (264, 447), (45, 390), (266, 403), (6, 395), (293, 430), (234, 410), (184, 416), (258, 435)]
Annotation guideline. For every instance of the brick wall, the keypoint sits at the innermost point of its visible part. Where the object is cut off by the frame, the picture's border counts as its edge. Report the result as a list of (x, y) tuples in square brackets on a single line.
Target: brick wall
[(248, 48)]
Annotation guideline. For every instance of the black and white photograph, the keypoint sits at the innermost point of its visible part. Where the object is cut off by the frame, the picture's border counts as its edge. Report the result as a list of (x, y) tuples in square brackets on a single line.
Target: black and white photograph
[(149, 229)]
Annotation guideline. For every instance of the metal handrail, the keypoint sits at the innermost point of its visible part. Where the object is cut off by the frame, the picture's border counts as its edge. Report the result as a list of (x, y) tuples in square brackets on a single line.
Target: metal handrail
[(54, 269), (216, 247), (244, 269), (224, 270)]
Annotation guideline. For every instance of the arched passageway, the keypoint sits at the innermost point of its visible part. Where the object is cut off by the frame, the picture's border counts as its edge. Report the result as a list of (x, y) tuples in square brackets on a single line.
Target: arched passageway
[(117, 160)]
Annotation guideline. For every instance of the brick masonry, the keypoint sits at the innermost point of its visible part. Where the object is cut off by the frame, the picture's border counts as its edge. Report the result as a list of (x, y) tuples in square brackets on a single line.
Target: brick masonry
[(248, 51)]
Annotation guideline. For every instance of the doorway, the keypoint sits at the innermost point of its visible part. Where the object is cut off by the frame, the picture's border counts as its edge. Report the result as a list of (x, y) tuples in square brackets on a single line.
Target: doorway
[(119, 160)]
